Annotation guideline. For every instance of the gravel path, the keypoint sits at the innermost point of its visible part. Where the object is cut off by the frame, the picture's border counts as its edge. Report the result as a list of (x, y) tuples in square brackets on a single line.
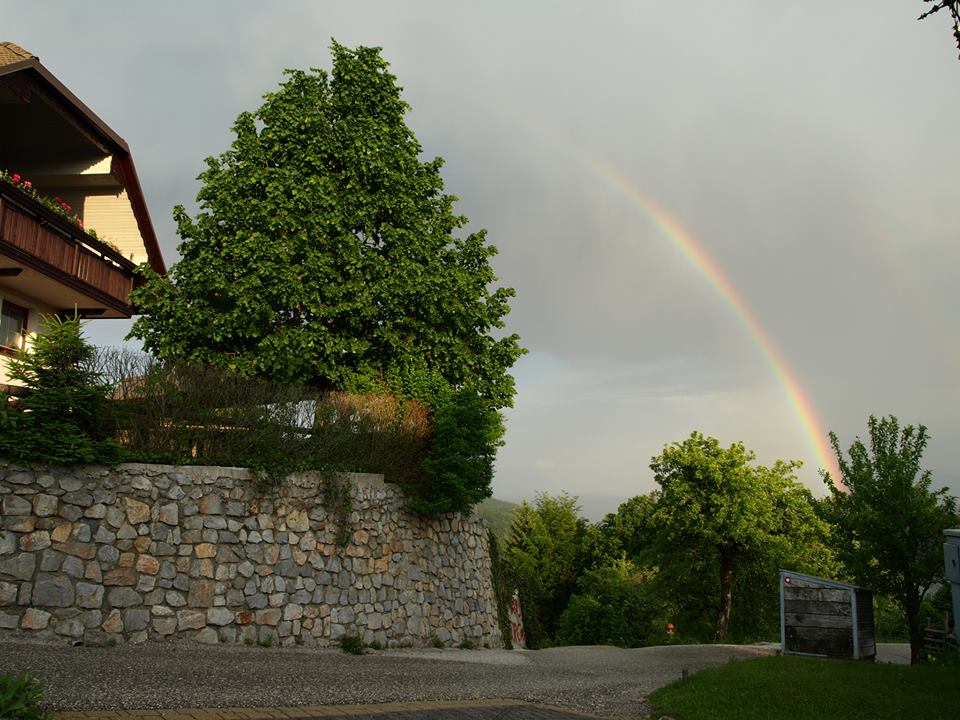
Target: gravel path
[(597, 680)]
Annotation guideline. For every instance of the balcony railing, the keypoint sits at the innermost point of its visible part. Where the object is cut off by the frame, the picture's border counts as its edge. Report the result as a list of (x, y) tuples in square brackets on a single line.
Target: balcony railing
[(52, 244)]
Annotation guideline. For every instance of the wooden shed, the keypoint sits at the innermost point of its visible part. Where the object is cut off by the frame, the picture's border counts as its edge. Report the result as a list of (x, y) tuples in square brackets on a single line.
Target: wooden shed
[(825, 618)]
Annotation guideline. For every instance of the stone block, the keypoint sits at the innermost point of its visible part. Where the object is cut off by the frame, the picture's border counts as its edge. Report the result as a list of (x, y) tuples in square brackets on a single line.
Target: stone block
[(70, 483), (191, 619), (169, 514), (121, 597), (211, 504), (53, 590), (220, 616), (78, 498), (96, 512), (50, 561), (114, 622), (8, 593), (16, 505), (45, 505), (148, 564), (35, 619), (72, 627), (72, 566), (120, 576), (8, 543), (81, 532), (164, 625), (270, 616), (201, 593), (37, 540), (137, 512), (87, 551), (205, 550), (89, 595), (136, 619)]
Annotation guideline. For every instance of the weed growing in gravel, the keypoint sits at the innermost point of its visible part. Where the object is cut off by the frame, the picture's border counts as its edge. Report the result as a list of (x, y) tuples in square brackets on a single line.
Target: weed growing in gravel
[(437, 642), (20, 698), (266, 642), (467, 644)]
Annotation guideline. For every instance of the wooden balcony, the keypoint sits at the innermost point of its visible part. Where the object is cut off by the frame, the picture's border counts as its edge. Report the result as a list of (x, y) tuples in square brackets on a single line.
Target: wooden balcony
[(41, 240)]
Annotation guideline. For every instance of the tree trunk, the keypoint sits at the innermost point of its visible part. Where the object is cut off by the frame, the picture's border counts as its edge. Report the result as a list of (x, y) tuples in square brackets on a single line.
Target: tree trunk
[(911, 606), (727, 556)]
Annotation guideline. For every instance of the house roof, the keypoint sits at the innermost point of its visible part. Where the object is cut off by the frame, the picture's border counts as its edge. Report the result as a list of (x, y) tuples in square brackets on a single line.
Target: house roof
[(15, 60)]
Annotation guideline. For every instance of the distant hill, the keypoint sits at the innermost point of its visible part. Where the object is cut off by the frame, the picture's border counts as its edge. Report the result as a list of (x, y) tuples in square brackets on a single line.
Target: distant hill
[(499, 513)]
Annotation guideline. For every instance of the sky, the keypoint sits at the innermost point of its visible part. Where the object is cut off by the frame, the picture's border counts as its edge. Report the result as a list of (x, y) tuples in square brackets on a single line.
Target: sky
[(738, 218)]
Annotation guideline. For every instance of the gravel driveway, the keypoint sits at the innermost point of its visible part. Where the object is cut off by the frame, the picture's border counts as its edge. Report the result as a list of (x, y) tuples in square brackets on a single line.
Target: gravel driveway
[(596, 680)]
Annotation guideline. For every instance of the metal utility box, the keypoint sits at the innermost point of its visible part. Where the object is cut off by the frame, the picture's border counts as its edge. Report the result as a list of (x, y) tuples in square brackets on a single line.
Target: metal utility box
[(825, 618), (951, 566)]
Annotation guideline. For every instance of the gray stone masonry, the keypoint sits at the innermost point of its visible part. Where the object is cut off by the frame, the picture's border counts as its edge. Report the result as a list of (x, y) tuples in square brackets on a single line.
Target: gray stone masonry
[(135, 552)]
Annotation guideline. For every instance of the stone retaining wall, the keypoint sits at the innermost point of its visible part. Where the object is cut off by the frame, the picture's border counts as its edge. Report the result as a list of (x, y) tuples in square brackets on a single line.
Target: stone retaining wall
[(123, 554)]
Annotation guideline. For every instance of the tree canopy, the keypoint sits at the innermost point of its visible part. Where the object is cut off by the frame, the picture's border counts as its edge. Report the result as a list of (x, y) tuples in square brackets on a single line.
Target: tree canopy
[(325, 251), (889, 522), (725, 525)]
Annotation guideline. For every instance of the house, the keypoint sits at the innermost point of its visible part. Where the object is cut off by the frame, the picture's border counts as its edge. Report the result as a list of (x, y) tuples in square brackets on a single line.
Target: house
[(63, 169)]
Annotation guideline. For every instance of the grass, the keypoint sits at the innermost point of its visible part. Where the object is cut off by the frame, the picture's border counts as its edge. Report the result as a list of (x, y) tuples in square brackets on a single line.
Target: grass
[(800, 688)]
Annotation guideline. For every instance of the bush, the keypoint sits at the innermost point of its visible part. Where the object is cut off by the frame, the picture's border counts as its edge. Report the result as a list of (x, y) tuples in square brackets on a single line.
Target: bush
[(614, 606), (20, 698), (458, 469)]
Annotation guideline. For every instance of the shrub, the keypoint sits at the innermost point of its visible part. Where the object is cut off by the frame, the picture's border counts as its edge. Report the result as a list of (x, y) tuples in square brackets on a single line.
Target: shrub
[(20, 698), (614, 606), (458, 469), (351, 644)]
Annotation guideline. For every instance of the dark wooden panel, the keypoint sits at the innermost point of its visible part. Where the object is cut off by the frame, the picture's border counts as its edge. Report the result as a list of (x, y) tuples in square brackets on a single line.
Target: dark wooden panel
[(792, 619), (820, 641), (816, 594), (816, 608)]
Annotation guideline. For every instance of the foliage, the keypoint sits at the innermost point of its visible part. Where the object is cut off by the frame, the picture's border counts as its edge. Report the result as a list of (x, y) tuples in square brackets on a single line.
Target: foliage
[(458, 469), (541, 558), (20, 698), (723, 527), (501, 580), (194, 414), (497, 513), (614, 605), (325, 252), (797, 688), (889, 522), (953, 6), (61, 418), (351, 644)]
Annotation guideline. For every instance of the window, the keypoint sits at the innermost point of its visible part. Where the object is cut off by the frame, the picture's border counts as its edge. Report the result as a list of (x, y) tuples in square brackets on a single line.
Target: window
[(13, 326)]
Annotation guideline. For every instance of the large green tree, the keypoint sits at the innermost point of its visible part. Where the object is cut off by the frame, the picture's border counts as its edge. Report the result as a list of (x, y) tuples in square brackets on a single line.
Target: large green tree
[(541, 556), (723, 527), (889, 522), (325, 250)]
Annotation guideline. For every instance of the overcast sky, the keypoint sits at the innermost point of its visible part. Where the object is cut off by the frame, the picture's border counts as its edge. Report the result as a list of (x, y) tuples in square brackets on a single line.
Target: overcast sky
[(738, 217)]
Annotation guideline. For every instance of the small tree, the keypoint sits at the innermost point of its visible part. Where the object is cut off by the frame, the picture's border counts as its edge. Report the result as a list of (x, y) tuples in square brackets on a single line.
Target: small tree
[(889, 522), (62, 419), (724, 524)]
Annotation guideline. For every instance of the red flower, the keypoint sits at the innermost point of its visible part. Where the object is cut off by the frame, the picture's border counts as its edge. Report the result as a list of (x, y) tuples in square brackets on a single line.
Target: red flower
[(56, 199), (27, 184), (16, 177)]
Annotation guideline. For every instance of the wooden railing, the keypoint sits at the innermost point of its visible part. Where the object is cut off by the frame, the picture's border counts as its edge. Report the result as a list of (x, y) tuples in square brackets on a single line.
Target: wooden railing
[(63, 250)]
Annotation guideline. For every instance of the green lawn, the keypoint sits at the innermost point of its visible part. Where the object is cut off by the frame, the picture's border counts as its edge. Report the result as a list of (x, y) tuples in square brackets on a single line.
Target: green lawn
[(797, 688)]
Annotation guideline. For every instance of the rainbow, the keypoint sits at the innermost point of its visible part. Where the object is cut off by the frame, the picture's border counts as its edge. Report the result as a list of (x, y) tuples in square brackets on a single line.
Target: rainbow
[(697, 256)]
